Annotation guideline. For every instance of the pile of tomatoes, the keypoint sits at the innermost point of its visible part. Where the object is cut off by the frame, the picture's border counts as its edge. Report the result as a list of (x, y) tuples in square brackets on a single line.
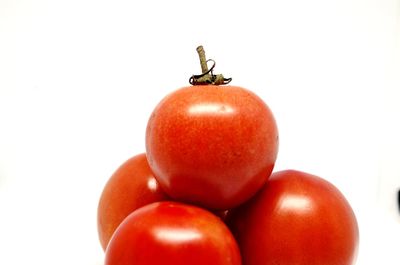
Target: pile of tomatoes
[(205, 193)]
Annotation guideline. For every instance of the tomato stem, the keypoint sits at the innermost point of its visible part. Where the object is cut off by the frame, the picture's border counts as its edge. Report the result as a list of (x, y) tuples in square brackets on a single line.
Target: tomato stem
[(203, 60), (207, 77)]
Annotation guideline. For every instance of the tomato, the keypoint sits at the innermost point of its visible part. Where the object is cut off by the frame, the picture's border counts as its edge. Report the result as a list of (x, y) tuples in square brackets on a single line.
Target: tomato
[(172, 233), (213, 146), (130, 187), (297, 218)]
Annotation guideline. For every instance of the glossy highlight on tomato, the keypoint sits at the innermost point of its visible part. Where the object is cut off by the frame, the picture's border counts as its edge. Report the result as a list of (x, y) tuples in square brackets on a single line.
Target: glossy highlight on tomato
[(131, 186), (297, 218), (172, 233), (213, 146)]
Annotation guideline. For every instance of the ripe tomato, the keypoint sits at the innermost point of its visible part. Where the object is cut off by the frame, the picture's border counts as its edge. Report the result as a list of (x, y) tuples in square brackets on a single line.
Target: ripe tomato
[(210, 145), (172, 233), (297, 218), (130, 187)]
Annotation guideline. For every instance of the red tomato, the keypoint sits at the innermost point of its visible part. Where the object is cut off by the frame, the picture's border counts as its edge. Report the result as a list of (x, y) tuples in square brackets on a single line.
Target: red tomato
[(172, 233), (297, 218), (214, 146), (130, 187)]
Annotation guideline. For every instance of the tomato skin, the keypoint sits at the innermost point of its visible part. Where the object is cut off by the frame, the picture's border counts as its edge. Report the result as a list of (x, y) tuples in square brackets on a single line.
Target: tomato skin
[(131, 186), (214, 146), (297, 218), (172, 233)]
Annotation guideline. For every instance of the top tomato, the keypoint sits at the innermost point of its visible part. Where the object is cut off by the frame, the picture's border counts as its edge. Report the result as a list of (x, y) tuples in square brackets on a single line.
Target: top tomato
[(214, 146)]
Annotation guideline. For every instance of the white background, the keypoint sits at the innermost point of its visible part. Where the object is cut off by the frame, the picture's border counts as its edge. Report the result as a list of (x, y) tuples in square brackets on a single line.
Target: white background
[(79, 79)]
